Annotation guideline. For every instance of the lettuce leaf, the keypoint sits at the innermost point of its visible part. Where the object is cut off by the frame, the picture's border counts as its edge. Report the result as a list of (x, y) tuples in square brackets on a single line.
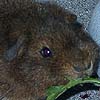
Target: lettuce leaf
[(54, 91)]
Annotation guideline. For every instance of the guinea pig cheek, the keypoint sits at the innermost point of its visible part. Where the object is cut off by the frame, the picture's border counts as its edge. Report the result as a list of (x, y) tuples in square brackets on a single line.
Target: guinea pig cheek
[(69, 71)]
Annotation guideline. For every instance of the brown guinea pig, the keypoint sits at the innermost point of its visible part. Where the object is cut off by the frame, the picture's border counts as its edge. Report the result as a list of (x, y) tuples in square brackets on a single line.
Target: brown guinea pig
[(44, 44)]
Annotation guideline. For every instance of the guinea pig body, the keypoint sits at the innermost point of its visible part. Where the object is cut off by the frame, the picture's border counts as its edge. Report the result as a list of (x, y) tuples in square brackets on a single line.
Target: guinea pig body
[(47, 46)]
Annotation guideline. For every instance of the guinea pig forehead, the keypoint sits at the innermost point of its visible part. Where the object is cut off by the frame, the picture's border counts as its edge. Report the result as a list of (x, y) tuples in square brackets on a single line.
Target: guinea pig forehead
[(49, 40)]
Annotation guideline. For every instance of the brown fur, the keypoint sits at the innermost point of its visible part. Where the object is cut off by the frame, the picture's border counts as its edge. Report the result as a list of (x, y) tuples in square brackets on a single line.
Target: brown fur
[(44, 25)]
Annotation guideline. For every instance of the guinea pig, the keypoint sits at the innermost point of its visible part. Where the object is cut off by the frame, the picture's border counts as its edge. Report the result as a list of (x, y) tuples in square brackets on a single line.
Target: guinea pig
[(43, 46)]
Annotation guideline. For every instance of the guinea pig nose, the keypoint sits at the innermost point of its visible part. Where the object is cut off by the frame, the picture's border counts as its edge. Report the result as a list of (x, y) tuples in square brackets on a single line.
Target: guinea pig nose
[(78, 68), (83, 68)]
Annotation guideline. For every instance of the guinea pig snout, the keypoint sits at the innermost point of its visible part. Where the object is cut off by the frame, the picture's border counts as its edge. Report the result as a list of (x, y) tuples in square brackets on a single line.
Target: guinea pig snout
[(86, 68)]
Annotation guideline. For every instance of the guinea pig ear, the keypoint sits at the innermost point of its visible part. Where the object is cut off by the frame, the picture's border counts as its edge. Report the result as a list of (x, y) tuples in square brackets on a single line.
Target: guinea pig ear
[(70, 18), (15, 50)]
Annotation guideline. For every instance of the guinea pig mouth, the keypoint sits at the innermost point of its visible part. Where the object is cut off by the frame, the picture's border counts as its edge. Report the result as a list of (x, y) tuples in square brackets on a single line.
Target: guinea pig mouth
[(86, 69)]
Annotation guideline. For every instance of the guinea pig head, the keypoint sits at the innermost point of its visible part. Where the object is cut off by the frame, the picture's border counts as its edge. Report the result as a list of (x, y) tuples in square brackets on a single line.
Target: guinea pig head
[(57, 44)]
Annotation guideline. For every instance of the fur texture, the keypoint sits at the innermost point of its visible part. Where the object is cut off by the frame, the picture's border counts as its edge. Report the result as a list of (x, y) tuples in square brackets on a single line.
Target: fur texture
[(28, 74)]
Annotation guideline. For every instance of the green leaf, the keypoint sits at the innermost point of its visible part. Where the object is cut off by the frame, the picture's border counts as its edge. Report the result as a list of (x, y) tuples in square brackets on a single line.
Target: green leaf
[(54, 91)]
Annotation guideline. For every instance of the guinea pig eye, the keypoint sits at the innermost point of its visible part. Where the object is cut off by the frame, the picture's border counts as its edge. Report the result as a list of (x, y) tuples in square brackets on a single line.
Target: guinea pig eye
[(46, 52)]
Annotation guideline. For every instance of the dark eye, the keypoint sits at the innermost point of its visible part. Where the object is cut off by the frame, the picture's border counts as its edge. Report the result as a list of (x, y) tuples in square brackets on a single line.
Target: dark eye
[(46, 52)]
